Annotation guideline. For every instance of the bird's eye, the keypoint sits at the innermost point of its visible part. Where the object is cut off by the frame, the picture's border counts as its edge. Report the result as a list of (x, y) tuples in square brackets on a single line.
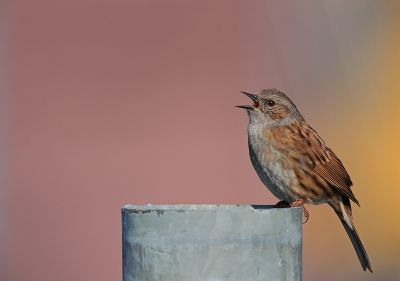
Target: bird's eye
[(271, 103)]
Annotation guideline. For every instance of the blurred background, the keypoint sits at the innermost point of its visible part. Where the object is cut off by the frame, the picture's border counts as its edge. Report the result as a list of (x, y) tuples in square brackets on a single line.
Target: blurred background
[(105, 103)]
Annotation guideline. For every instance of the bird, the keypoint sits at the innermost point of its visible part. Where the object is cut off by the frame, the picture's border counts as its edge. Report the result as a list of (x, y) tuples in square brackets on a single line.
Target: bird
[(295, 164)]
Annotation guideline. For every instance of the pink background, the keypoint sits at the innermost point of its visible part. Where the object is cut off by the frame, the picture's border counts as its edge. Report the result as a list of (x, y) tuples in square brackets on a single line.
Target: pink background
[(106, 103)]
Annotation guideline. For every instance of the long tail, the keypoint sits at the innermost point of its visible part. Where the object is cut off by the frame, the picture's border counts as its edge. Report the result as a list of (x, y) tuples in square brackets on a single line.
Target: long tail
[(358, 246), (345, 216)]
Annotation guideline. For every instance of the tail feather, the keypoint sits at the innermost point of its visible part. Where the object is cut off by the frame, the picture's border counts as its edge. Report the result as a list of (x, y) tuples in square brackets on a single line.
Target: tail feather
[(343, 210), (358, 246)]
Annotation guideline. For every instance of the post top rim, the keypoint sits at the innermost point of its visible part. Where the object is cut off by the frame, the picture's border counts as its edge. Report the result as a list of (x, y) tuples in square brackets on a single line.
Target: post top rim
[(129, 208)]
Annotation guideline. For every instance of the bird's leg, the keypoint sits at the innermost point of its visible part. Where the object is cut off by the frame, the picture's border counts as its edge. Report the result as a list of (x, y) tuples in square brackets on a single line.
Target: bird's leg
[(281, 204), (298, 203)]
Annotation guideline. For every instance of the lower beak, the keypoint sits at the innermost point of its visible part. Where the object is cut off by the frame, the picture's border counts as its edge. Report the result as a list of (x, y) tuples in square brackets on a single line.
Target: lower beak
[(245, 106)]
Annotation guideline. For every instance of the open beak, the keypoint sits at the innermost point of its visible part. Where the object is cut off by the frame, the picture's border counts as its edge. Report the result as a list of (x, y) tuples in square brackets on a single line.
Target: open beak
[(250, 107)]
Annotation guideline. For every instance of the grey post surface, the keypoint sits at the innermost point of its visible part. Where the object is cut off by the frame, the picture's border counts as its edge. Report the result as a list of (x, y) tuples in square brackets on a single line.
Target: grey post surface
[(211, 243)]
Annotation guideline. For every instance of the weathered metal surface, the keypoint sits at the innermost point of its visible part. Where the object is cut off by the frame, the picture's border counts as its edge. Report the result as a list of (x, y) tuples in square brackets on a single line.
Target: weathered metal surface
[(211, 243)]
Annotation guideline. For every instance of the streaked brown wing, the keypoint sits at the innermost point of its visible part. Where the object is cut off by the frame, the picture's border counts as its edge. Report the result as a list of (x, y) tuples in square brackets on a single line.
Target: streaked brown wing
[(334, 173), (323, 160)]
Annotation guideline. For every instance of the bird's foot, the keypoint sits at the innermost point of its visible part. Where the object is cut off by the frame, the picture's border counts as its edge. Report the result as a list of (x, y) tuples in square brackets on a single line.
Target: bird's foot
[(298, 203), (282, 204)]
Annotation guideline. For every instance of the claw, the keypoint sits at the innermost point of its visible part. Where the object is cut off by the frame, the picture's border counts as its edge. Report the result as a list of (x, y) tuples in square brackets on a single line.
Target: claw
[(306, 214), (298, 203)]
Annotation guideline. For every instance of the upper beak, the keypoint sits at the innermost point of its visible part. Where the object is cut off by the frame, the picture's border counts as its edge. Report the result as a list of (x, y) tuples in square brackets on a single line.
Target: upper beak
[(253, 97)]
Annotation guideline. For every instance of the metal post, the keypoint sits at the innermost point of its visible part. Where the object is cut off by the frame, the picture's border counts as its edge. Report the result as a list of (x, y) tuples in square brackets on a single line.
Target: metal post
[(211, 243)]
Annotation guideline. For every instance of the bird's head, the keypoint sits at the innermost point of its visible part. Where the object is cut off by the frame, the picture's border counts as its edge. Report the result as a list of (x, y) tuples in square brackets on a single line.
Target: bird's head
[(271, 107)]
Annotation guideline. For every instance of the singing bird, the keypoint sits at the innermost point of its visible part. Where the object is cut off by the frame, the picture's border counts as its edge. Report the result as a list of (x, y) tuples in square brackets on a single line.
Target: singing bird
[(295, 164)]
